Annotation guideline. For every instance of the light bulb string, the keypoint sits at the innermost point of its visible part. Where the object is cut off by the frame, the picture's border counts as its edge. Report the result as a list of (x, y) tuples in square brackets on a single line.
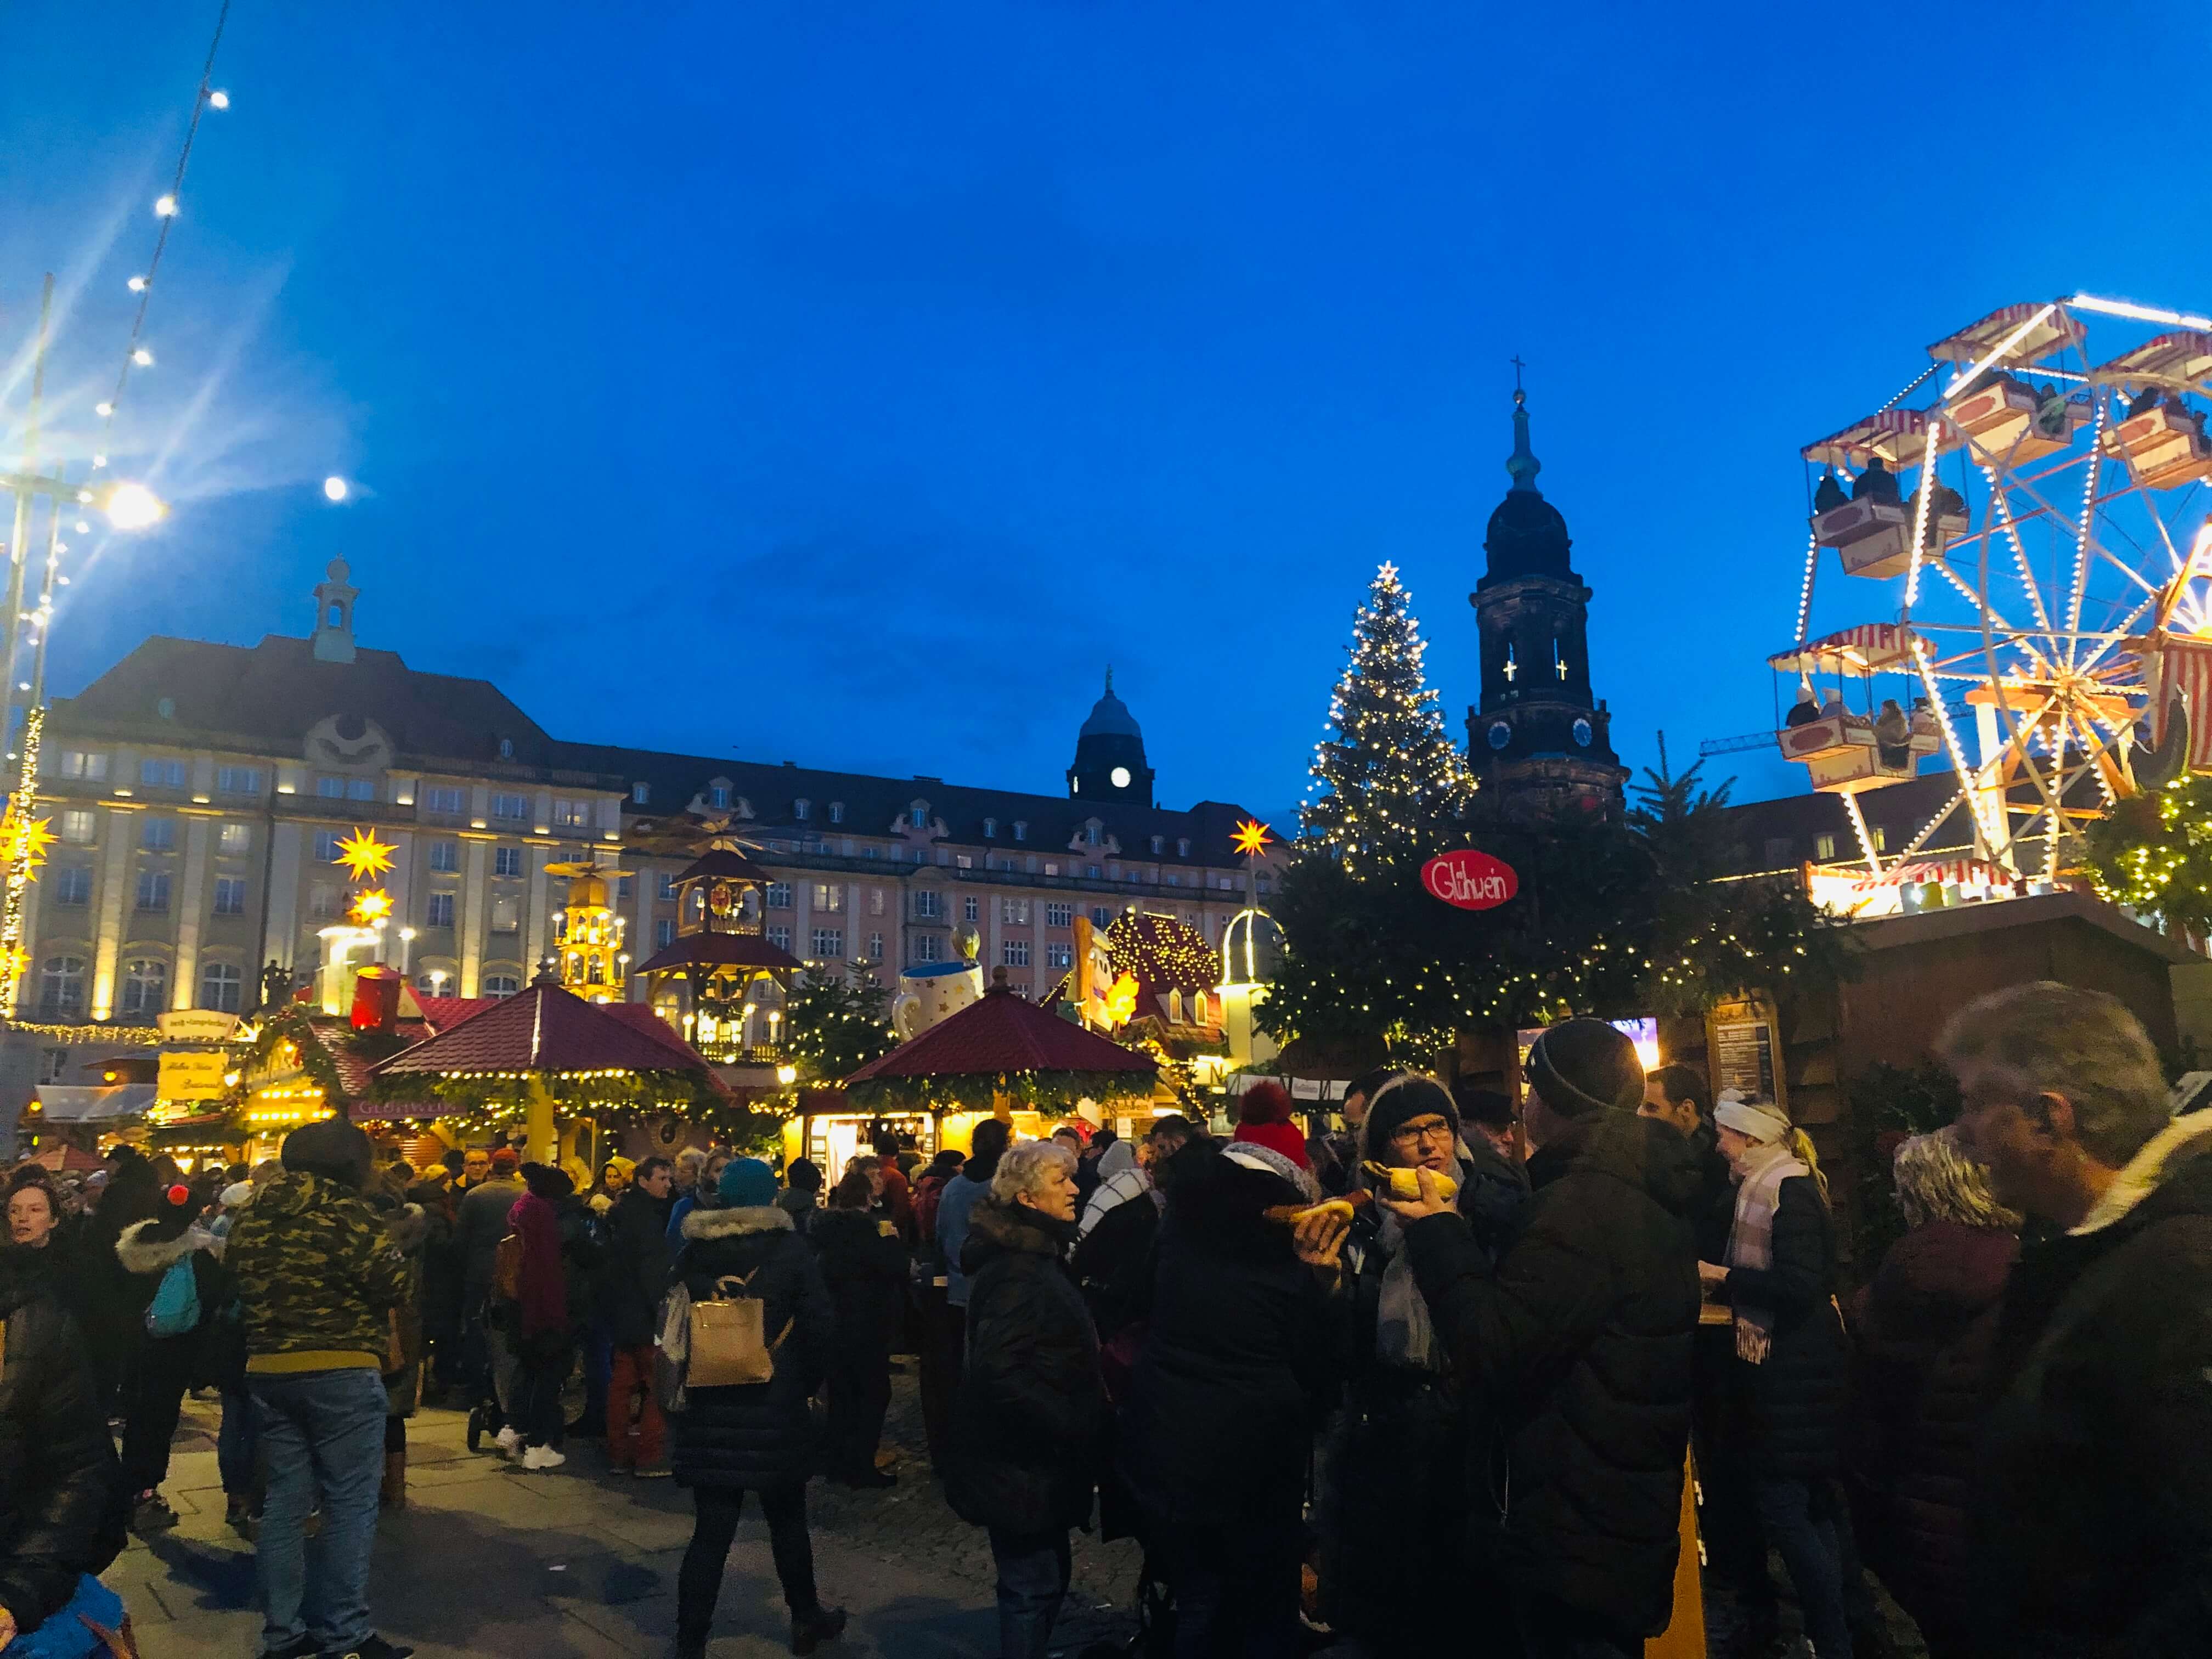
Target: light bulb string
[(162, 237)]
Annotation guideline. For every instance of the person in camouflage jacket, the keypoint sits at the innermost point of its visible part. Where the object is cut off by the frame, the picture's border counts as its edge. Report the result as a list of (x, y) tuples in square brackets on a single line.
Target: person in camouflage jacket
[(318, 1279)]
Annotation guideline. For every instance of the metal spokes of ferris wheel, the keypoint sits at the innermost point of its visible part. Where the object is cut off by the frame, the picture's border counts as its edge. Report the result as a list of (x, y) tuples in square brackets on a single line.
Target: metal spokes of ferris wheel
[(2034, 503)]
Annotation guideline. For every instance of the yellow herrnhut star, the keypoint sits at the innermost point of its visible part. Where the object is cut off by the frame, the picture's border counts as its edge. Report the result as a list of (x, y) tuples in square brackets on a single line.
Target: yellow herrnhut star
[(364, 856), (27, 840), (1251, 836), (371, 907)]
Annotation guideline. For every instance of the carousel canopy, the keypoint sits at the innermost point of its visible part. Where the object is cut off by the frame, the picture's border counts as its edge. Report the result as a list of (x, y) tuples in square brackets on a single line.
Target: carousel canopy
[(78, 1104), (545, 1029), (1001, 1033), (710, 951), (724, 864), (1862, 650)]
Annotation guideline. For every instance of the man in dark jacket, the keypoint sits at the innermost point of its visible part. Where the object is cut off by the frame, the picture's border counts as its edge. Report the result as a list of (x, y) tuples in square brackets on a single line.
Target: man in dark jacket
[(317, 1281), (2091, 1530), (57, 1470), (633, 1281), (1579, 1341), (479, 1223)]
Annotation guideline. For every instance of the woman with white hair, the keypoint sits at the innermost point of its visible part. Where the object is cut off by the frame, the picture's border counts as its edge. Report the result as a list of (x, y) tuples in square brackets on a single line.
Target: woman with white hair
[(1786, 1394), (1031, 1406), (1925, 1327)]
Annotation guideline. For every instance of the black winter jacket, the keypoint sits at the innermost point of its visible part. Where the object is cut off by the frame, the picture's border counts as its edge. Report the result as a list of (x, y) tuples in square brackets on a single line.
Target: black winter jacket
[(57, 1469), (2092, 1528), (1030, 1408), (1242, 1359), (757, 1435), (634, 1273), (1580, 1341), (1785, 1416), (865, 1273)]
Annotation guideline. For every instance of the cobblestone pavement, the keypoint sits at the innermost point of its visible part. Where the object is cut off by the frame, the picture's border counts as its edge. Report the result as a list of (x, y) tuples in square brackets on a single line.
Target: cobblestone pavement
[(575, 1564)]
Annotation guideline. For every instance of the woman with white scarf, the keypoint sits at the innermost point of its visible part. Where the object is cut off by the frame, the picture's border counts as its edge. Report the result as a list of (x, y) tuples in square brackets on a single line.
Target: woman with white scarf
[(1787, 1396)]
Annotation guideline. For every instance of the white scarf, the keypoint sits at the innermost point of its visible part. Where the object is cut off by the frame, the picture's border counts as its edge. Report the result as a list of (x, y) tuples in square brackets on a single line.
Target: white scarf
[(1751, 1241)]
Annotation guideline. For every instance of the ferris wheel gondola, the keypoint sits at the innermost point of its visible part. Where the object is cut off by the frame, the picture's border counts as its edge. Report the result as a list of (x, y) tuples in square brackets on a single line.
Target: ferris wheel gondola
[(2039, 515)]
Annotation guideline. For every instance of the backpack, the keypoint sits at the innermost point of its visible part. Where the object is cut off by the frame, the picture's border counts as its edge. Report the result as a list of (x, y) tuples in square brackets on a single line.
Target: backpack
[(175, 1309), (729, 1345), (507, 1269)]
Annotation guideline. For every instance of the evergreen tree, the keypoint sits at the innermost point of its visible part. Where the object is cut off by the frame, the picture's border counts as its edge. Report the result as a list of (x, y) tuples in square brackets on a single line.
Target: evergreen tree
[(1387, 770), (839, 1019)]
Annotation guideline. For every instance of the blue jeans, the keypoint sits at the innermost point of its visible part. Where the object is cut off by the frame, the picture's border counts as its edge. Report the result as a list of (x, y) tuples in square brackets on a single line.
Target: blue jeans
[(234, 1443), (1801, 1524), (319, 1430), (1033, 1569)]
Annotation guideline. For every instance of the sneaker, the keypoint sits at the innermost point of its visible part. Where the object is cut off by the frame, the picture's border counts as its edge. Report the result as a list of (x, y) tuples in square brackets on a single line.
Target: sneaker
[(374, 1647), (542, 1457), (509, 1439), (809, 1630), (299, 1647), (659, 1472), (151, 1513)]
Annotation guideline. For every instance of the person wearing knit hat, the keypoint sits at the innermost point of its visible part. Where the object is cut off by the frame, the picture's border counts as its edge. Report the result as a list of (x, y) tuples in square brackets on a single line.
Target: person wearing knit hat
[(1585, 1330), (746, 1182), (1263, 1118)]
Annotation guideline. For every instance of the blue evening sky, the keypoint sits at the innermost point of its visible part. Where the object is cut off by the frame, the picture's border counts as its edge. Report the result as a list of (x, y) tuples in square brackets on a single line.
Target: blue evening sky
[(851, 383)]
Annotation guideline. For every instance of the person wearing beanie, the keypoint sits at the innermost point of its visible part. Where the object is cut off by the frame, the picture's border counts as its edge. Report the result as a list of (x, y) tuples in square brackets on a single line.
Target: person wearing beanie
[(756, 1437), (1578, 1344), (1263, 1119), (317, 1281), (802, 1192)]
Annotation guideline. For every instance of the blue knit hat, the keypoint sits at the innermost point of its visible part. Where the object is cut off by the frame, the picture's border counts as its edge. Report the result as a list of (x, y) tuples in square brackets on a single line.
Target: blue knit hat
[(746, 1183)]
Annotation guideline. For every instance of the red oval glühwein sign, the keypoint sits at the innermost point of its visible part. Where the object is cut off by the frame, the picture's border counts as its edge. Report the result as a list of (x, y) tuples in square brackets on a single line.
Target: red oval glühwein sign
[(1469, 879)]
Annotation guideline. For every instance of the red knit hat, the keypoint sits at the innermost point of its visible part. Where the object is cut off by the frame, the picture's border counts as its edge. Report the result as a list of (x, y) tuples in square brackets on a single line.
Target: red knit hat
[(1263, 1118)]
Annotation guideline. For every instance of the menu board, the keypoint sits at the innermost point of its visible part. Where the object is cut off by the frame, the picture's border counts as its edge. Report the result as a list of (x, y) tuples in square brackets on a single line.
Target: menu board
[(1743, 1057)]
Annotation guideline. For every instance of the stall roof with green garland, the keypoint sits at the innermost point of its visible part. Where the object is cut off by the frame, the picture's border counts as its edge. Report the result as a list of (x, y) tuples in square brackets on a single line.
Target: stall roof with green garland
[(1003, 1044)]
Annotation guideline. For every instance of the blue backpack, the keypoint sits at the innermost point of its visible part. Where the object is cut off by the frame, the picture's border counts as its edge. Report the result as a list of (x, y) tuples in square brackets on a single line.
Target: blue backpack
[(175, 1309)]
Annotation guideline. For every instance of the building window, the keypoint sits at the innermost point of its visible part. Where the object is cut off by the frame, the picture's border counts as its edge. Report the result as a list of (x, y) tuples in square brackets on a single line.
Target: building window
[(507, 913), (77, 826), (664, 932), (238, 780), (84, 763), (780, 937), (875, 947), (230, 896), (928, 905), (506, 860), (968, 909), (509, 806), (53, 1064), (158, 835), (1059, 916), (434, 981), (801, 810), (875, 901), (153, 889), (778, 896), (1021, 829), (829, 895), (1159, 845), (330, 789), (1824, 847), (990, 829), (72, 885), (1014, 911), (442, 798), (441, 913), (836, 811), (162, 774), (828, 942), (61, 985), (1101, 916), (718, 794), (1014, 952), (641, 794), (323, 903), (1880, 839), (502, 985), (444, 856), (145, 986), (326, 845), (571, 814), (222, 987), (233, 839), (926, 946), (918, 815)]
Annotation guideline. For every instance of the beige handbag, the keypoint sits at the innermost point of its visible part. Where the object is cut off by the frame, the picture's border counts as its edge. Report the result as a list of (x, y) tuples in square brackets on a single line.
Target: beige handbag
[(729, 1344)]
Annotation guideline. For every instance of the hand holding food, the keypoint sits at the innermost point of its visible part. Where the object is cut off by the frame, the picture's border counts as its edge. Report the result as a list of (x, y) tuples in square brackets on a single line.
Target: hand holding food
[(1405, 1184), (1433, 1195)]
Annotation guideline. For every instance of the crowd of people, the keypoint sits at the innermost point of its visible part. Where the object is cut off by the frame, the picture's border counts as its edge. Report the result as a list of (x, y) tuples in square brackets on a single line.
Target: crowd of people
[(1429, 1382)]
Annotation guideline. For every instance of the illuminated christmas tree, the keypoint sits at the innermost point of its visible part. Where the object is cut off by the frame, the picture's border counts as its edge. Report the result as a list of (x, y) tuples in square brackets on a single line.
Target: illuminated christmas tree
[(839, 1020), (1388, 770)]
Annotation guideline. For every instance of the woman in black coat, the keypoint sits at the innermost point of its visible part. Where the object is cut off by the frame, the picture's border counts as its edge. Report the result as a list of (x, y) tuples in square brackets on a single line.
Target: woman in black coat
[(58, 1471), (864, 1264), (1785, 1395), (756, 1436), (1031, 1406), (1240, 1364)]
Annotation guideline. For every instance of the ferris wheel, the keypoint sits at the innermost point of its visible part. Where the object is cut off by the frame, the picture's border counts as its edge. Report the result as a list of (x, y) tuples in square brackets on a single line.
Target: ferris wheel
[(2022, 582)]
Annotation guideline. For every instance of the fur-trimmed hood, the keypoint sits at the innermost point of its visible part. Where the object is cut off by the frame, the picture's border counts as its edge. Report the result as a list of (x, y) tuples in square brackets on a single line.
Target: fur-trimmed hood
[(736, 1221), (407, 1227), (141, 1255), (993, 1226)]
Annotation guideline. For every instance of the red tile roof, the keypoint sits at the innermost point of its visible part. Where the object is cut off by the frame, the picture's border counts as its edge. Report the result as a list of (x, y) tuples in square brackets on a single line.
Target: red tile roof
[(443, 1013), (1002, 1033), (542, 1028), (718, 950)]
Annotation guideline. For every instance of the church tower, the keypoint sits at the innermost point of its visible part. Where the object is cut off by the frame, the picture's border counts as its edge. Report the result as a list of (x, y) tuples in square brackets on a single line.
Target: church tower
[(1537, 740), (1110, 755)]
